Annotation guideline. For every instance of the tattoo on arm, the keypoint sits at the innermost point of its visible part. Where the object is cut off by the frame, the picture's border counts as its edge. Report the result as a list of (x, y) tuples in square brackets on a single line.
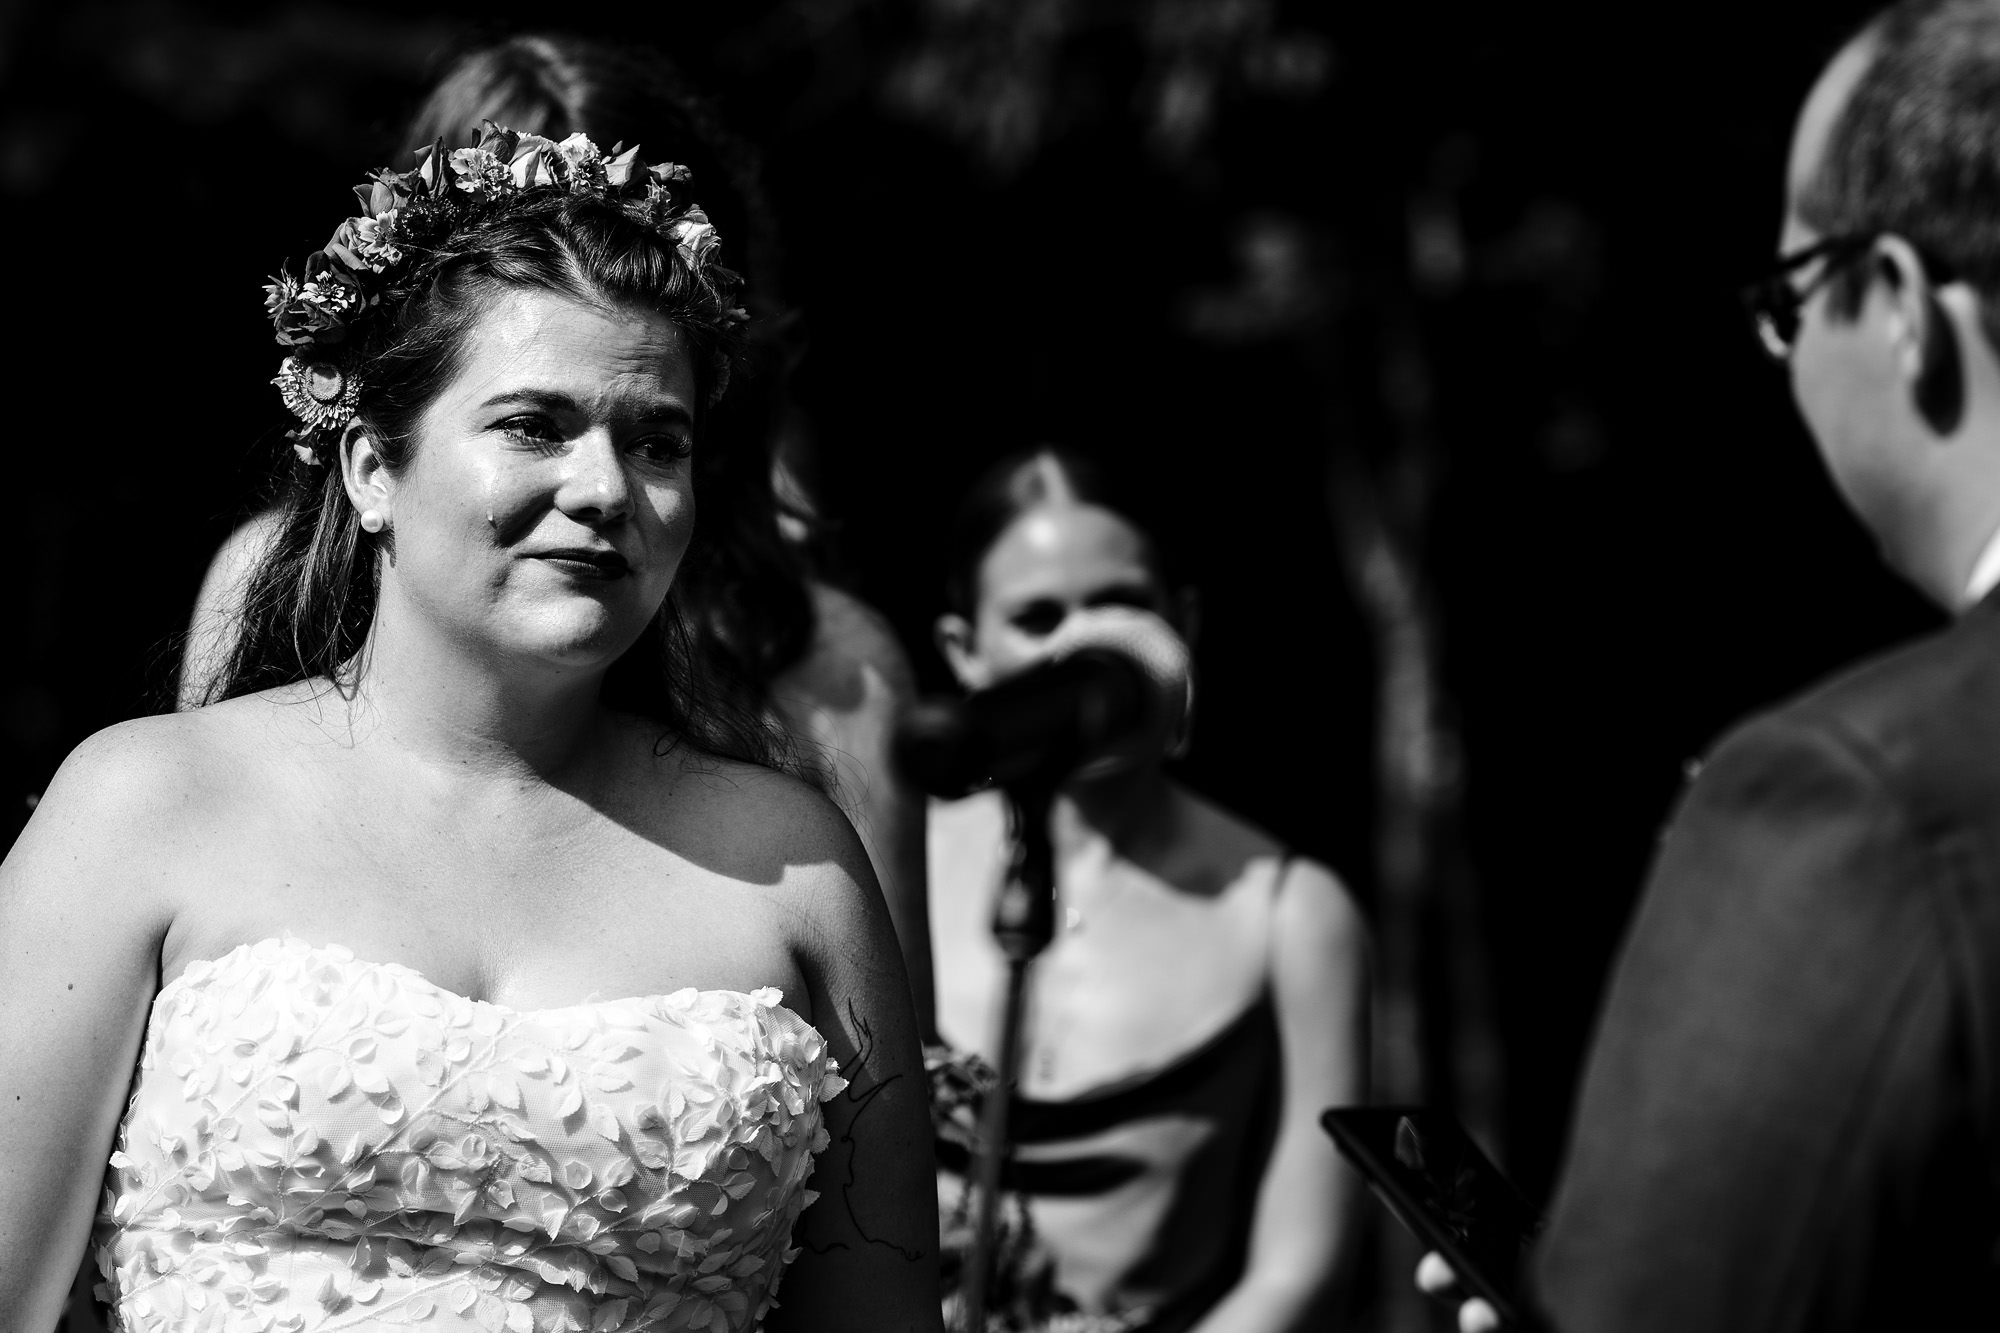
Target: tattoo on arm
[(863, 1087)]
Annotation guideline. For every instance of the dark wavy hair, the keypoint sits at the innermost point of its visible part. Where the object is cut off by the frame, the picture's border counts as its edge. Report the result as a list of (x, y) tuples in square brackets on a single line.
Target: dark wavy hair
[(744, 591), (309, 602), (1916, 149)]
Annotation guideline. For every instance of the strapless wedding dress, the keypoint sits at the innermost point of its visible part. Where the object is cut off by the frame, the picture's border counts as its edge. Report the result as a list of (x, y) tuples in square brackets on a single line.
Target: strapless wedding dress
[(315, 1143)]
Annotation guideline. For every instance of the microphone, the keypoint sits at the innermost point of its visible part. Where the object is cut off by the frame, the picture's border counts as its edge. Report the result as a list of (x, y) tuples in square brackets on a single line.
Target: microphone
[(1113, 688)]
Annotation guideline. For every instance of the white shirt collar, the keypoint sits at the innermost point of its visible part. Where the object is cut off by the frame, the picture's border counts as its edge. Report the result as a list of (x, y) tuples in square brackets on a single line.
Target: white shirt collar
[(1985, 571)]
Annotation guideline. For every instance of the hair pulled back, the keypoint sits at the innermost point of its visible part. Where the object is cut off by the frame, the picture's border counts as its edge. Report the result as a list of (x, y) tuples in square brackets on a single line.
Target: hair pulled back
[(308, 604), (1026, 480)]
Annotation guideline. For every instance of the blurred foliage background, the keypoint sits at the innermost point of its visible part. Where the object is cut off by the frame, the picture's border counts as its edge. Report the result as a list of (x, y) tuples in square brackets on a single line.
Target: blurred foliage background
[(1416, 322)]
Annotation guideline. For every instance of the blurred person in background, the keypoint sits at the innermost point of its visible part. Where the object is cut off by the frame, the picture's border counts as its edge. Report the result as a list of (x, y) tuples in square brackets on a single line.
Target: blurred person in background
[(470, 961), (785, 640), (1204, 998), (1790, 1115)]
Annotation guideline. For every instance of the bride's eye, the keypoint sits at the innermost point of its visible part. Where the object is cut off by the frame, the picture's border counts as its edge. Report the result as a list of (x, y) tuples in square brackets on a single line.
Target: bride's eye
[(531, 428), (663, 447)]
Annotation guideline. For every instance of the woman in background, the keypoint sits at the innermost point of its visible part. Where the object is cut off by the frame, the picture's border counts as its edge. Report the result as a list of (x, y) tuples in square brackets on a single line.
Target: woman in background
[(1205, 996), (815, 659)]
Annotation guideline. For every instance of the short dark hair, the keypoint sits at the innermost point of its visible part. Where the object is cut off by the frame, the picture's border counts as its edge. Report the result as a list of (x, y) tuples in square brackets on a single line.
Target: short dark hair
[(1916, 149), (1021, 482)]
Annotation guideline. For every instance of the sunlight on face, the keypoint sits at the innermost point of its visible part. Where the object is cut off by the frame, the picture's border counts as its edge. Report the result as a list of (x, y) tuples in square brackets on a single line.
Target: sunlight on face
[(549, 498), (1051, 562)]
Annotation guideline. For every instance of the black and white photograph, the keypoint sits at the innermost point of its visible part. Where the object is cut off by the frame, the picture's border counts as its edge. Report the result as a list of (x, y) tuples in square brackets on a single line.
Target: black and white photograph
[(1000, 666)]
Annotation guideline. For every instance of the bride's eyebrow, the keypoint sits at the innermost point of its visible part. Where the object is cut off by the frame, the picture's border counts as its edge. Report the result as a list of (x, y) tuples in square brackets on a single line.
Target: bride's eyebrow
[(549, 400), (665, 411)]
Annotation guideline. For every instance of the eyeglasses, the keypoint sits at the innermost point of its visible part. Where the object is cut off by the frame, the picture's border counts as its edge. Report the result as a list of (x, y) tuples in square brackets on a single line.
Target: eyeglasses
[(1774, 301)]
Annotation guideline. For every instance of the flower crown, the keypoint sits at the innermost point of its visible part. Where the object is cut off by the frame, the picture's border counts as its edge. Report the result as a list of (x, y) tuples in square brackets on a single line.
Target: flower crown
[(406, 216)]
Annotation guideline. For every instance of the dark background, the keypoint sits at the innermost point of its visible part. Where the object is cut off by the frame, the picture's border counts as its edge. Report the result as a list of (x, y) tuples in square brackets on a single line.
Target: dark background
[(1213, 241)]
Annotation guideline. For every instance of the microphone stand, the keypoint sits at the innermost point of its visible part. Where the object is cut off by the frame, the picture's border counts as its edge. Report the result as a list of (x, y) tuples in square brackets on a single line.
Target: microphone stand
[(1024, 917)]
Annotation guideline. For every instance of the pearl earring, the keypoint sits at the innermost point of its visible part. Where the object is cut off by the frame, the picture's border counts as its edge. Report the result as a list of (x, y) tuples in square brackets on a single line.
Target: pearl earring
[(372, 520)]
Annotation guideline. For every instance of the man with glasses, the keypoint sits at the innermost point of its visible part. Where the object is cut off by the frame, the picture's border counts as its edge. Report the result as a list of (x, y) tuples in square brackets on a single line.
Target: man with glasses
[(1790, 1118)]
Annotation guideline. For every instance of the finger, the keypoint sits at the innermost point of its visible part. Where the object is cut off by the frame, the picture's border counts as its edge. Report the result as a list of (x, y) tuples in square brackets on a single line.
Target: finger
[(1476, 1316), (1434, 1276)]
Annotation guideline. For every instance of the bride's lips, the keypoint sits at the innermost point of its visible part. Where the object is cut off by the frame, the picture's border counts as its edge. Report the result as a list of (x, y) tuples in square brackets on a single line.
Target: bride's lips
[(587, 562)]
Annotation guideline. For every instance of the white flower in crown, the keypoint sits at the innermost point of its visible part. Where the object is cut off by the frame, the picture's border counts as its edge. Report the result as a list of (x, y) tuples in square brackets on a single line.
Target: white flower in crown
[(479, 171), (370, 243), (537, 162), (695, 236)]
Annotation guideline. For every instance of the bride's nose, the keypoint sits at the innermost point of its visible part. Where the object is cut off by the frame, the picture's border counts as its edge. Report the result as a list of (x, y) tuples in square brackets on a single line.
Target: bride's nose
[(595, 486)]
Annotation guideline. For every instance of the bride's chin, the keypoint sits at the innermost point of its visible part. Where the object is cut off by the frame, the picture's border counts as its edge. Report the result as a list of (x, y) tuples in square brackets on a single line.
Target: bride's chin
[(577, 643)]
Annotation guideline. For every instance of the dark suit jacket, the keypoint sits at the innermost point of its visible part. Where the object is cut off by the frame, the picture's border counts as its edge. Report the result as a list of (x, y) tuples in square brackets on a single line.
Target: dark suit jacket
[(1788, 1118)]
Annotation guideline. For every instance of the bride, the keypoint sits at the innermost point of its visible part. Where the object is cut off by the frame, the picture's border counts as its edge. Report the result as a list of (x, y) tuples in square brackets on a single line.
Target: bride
[(468, 967)]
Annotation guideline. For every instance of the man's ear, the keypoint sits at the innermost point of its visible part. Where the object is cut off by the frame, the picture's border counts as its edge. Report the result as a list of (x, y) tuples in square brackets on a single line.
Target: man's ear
[(1922, 337), (954, 640), (363, 473)]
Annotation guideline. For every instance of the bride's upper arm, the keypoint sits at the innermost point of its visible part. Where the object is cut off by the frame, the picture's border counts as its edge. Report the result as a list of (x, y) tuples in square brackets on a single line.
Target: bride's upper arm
[(83, 910), (868, 1246)]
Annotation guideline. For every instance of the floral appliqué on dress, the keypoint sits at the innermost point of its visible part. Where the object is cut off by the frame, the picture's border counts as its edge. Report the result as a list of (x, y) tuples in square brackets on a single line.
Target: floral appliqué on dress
[(318, 1143)]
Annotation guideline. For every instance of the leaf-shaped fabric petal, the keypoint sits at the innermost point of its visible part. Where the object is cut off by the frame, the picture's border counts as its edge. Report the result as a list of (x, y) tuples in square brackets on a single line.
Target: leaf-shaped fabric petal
[(604, 1121), (431, 1067)]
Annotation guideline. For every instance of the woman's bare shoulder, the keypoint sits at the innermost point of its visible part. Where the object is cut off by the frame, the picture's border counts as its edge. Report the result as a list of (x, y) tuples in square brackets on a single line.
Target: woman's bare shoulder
[(748, 821), (1232, 846), (855, 663), (213, 626), (1219, 832), (136, 764), (104, 832), (158, 767), (850, 628)]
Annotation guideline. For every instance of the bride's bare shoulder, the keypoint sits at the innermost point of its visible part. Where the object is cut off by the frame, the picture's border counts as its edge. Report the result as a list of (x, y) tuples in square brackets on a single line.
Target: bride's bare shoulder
[(168, 764), (753, 824), (107, 829), (732, 794)]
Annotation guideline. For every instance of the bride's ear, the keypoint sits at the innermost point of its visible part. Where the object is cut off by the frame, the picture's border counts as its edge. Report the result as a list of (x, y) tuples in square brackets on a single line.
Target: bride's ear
[(954, 640), (363, 473)]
